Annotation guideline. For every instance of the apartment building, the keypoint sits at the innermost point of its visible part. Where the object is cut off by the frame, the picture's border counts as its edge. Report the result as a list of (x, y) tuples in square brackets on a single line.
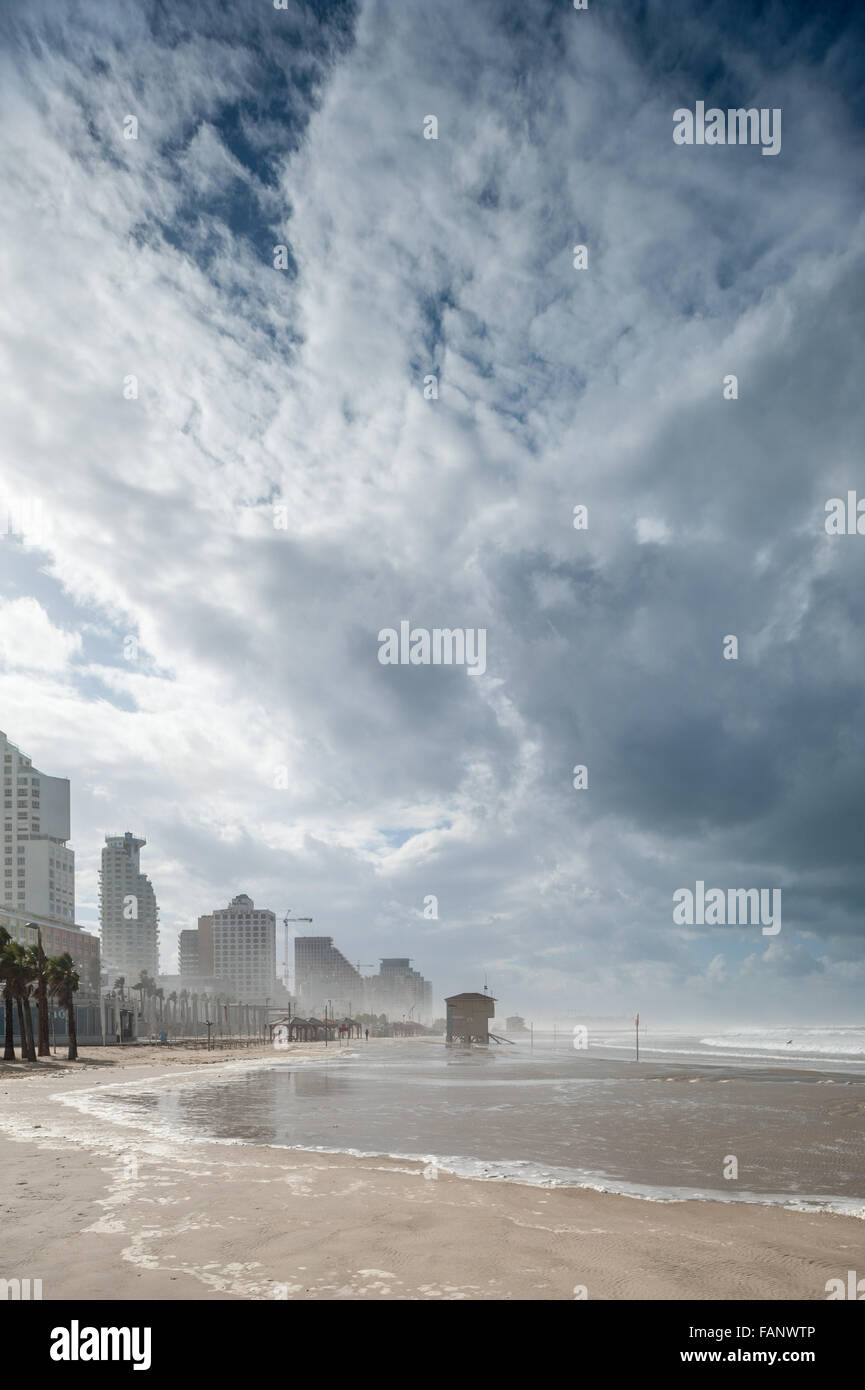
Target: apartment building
[(243, 948), (128, 911), (38, 867)]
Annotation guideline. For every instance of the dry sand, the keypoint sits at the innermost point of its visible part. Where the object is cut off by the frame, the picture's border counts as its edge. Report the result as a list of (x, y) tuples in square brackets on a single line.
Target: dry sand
[(98, 1210)]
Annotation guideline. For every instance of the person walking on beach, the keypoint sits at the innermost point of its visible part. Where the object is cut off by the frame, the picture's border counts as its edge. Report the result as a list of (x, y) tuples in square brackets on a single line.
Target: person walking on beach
[(367, 1035)]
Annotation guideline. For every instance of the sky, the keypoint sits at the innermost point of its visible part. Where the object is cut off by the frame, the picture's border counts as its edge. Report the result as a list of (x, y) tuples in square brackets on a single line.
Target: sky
[(223, 479)]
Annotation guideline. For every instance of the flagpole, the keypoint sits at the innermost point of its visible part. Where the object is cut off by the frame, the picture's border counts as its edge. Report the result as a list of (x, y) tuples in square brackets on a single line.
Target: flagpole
[(637, 1029)]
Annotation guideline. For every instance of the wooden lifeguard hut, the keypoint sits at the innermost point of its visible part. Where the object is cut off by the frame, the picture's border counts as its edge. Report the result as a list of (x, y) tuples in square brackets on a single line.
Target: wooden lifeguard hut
[(468, 1019)]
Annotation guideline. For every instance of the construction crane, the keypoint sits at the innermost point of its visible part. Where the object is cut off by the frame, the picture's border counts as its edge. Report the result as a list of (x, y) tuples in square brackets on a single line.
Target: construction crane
[(285, 921)]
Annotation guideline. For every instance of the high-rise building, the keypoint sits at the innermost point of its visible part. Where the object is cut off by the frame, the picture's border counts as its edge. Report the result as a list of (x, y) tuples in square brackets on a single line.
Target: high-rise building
[(244, 948), (188, 951), (38, 869), (399, 990), (128, 911), (205, 945), (322, 975)]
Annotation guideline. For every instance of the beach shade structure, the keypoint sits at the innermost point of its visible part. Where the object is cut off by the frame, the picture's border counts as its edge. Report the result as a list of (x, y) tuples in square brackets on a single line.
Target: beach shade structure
[(468, 1017), (321, 1028), (297, 1029), (408, 1029)]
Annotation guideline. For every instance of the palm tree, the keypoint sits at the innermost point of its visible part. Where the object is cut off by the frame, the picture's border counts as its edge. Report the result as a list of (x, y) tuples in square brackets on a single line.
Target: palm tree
[(63, 984), (140, 987), (22, 977), (7, 975)]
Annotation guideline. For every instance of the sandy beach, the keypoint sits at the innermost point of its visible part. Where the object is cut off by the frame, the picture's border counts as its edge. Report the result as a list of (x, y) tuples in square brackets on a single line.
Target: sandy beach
[(105, 1211)]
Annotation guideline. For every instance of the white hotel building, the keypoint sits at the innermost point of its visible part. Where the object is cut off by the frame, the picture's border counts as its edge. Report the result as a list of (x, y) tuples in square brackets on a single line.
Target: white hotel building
[(38, 869), (38, 893), (128, 911), (244, 949)]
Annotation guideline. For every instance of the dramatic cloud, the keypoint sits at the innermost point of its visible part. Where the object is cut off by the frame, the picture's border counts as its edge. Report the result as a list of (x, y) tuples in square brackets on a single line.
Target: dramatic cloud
[(242, 479)]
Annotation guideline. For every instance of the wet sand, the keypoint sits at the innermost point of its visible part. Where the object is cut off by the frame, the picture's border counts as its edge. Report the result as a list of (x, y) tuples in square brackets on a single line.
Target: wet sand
[(98, 1210), (137, 1055)]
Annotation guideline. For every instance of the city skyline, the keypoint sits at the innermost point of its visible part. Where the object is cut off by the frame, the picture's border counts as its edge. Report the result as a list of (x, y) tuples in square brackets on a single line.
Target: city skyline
[(128, 928)]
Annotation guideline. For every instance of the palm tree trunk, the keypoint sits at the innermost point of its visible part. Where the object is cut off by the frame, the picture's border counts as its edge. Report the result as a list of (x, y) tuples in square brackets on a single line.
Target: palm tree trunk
[(22, 1029), (28, 1023), (44, 1035), (9, 1043), (42, 1000), (72, 1054)]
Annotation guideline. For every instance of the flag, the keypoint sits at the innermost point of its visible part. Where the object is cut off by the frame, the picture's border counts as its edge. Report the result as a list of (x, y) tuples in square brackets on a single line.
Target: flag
[(637, 1021)]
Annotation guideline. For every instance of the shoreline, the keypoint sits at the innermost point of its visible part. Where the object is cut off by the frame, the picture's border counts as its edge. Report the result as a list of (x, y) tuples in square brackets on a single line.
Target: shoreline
[(99, 1210)]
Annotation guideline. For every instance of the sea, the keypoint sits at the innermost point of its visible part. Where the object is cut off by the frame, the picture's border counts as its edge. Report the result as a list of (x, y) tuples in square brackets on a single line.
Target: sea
[(768, 1115)]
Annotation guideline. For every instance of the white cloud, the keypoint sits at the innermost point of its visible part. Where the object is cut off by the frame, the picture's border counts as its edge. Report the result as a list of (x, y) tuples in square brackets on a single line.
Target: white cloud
[(29, 641)]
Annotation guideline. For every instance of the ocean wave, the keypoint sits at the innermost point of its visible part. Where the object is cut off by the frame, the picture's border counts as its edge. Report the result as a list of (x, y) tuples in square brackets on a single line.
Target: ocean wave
[(106, 1104), (805, 1042)]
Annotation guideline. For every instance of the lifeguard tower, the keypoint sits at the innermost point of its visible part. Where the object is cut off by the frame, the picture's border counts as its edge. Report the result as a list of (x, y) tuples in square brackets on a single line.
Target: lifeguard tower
[(468, 1019)]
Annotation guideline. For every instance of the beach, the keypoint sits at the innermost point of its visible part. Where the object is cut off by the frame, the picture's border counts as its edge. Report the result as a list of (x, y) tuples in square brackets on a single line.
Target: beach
[(106, 1209)]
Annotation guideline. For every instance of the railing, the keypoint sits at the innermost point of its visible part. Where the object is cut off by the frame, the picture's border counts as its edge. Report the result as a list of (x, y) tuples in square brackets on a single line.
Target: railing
[(196, 1043)]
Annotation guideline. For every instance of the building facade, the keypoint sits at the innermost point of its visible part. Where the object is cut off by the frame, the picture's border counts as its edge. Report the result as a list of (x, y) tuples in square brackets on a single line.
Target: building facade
[(323, 976), (128, 911), (399, 991), (38, 868), (244, 949), (205, 945), (58, 940), (188, 952)]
